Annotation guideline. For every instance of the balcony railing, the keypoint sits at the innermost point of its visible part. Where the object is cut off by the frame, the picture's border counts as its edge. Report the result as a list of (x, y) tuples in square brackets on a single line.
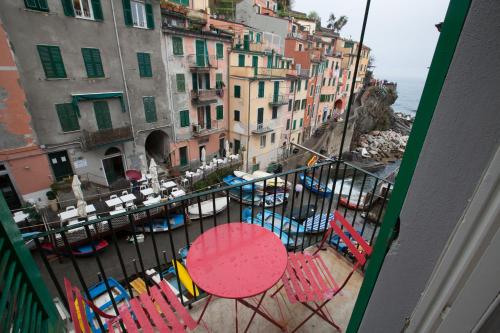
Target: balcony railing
[(206, 96), (207, 128), (278, 100), (261, 128), (101, 137), (201, 62), (127, 262), (248, 71)]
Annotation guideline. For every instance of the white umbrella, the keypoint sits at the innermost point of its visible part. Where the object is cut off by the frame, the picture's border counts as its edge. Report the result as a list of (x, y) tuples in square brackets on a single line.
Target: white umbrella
[(77, 191), (203, 156), (154, 176), (226, 147), (144, 165)]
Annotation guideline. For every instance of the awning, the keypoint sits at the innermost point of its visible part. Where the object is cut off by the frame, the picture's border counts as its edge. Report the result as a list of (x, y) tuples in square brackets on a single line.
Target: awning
[(96, 96)]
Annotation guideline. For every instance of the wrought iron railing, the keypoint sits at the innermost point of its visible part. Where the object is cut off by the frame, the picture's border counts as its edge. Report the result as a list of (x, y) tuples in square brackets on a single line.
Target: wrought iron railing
[(198, 61), (101, 137), (363, 197), (261, 128), (277, 100)]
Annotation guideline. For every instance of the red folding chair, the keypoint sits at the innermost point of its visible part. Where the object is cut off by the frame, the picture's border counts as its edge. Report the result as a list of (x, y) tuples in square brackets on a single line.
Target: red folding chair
[(161, 310), (308, 280)]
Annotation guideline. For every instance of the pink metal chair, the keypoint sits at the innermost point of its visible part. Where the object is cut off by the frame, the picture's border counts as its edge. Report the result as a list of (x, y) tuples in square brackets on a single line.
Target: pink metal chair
[(160, 311), (308, 280)]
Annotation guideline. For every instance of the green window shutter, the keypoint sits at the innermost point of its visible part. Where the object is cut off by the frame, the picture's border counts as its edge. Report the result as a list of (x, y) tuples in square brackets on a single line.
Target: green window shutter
[(294, 124), (237, 91), (68, 8), (301, 121), (149, 109), (150, 19), (270, 61), (288, 124), (183, 156), (97, 9), (257, 37), (220, 112), (127, 13), (93, 64), (218, 80), (52, 62), (67, 117), (37, 5), (144, 62), (241, 60), (177, 46), (184, 118), (261, 89), (102, 115), (219, 50), (292, 84), (181, 82)]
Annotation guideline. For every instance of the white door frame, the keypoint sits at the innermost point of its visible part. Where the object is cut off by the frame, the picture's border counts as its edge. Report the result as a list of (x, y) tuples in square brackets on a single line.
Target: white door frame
[(465, 281)]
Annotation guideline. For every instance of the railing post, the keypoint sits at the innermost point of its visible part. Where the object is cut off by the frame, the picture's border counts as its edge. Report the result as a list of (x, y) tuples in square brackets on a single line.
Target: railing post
[(22, 262)]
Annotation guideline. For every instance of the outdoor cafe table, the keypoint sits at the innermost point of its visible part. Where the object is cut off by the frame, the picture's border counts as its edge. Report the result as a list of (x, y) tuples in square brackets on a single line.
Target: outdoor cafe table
[(147, 191), (113, 202), (178, 193), (127, 197), (237, 261), (72, 213)]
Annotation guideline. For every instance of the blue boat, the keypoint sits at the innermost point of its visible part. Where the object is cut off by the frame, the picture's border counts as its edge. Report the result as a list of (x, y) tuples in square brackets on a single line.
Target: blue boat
[(313, 185), (100, 297), (317, 223), (161, 225), (30, 244), (288, 240), (233, 180), (282, 222), (268, 200)]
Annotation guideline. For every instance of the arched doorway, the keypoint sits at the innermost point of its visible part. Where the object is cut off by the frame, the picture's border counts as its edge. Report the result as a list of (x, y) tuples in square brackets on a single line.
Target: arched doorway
[(113, 165), (157, 146)]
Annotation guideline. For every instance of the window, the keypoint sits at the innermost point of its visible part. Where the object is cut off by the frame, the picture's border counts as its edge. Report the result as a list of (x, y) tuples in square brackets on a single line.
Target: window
[(52, 62), (138, 14), (349, 75), (218, 81), (144, 63), (262, 141), (183, 155), (300, 47), (237, 145), (288, 124), (296, 105), (311, 92), (324, 81), (219, 48), (181, 82), (102, 115), (261, 89), (299, 84), (37, 5), (292, 84), (301, 122), (85, 9), (93, 64), (294, 124), (290, 105), (177, 47), (236, 115), (241, 60), (237, 91), (67, 117), (184, 114), (273, 137), (275, 112), (149, 109), (303, 106), (307, 82), (220, 112), (257, 37)]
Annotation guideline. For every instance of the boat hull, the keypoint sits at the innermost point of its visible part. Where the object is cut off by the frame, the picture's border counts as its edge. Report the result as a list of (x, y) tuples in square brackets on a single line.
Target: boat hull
[(207, 208)]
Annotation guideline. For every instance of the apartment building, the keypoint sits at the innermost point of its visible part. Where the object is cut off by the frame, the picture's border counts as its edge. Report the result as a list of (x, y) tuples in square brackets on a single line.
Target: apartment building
[(196, 60), (349, 50), (294, 121), (94, 80), (24, 168), (259, 90)]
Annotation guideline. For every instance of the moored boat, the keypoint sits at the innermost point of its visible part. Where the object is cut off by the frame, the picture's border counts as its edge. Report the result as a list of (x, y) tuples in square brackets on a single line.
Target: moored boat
[(313, 185), (317, 223), (269, 199), (78, 251), (207, 208), (233, 180), (161, 225)]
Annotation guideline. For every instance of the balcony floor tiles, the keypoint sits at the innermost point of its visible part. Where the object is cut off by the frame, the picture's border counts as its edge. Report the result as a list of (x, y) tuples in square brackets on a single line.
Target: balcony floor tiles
[(220, 313)]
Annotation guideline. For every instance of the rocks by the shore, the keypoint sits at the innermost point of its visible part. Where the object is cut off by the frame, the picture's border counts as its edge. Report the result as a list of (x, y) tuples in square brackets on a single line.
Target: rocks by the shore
[(382, 145)]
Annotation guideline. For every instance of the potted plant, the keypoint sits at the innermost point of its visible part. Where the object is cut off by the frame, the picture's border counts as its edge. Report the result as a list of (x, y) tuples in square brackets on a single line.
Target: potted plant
[(52, 200)]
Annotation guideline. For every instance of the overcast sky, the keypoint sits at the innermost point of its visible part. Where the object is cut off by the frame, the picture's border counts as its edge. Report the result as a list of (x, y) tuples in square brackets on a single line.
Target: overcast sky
[(400, 33)]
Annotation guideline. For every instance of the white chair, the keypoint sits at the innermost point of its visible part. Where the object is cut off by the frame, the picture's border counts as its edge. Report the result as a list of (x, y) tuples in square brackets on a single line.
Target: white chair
[(70, 208), (142, 187), (124, 193), (113, 196), (92, 217)]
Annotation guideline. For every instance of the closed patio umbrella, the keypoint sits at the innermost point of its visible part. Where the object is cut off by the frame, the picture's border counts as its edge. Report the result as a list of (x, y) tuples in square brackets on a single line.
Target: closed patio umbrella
[(144, 165), (203, 156), (226, 147), (154, 176), (81, 205)]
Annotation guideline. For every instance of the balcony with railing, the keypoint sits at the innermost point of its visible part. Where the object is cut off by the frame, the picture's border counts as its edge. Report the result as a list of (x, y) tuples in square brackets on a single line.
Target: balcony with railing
[(203, 62), (203, 129), (101, 137), (278, 100), (141, 264), (205, 96), (261, 72), (261, 128)]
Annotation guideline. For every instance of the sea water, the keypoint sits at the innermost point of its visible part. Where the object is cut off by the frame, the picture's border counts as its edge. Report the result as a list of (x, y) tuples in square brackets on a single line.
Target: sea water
[(409, 92)]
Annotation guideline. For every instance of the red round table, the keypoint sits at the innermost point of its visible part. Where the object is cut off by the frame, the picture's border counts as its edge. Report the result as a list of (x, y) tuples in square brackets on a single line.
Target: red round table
[(236, 261)]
